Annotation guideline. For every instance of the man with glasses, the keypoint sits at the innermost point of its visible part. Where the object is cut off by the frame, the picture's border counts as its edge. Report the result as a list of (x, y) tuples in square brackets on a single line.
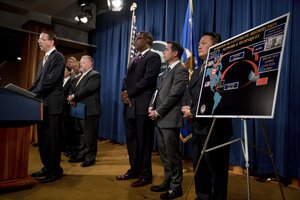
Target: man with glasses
[(138, 86), (48, 87)]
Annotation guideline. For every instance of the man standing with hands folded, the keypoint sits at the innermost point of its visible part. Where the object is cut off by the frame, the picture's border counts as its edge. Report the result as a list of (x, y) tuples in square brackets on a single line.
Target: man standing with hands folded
[(87, 92), (212, 175), (138, 86), (165, 108)]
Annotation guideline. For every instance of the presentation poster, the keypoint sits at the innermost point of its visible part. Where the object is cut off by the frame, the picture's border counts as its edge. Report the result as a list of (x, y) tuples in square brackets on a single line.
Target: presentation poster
[(242, 73)]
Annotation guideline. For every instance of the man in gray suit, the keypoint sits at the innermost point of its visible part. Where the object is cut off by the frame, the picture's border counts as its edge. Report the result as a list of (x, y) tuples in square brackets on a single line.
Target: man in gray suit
[(165, 108)]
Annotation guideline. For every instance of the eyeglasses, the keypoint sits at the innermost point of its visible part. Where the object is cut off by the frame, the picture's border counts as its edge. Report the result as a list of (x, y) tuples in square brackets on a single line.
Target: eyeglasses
[(43, 39)]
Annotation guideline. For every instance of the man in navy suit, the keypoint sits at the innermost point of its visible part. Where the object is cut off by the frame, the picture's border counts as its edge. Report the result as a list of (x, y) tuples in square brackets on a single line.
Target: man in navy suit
[(212, 175), (138, 86), (48, 87), (87, 91), (165, 108), (67, 139)]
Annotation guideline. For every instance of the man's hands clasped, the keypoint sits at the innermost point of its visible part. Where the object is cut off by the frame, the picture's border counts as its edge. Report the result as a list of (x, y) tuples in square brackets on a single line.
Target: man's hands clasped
[(125, 98)]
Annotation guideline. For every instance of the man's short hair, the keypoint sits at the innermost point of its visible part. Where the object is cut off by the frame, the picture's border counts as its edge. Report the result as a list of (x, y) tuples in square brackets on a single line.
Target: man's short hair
[(90, 58), (51, 36), (177, 47), (148, 36), (216, 38)]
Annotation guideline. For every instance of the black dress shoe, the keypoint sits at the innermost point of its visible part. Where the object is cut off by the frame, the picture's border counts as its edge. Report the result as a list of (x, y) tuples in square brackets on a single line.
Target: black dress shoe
[(87, 163), (172, 194), (76, 160), (40, 173), (50, 178), (160, 188), (141, 182), (126, 176)]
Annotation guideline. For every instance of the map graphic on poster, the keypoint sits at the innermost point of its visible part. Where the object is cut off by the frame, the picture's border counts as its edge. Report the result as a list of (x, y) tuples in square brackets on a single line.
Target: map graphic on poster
[(242, 73)]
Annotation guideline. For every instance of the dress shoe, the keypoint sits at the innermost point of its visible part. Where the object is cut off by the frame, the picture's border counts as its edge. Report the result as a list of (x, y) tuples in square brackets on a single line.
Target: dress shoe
[(141, 182), (126, 176), (76, 160), (50, 178), (40, 173), (171, 194), (87, 163), (160, 188)]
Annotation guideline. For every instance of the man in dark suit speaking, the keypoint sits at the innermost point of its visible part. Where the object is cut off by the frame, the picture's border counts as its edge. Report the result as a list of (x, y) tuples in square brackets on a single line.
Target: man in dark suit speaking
[(86, 90), (165, 108), (138, 86), (48, 87)]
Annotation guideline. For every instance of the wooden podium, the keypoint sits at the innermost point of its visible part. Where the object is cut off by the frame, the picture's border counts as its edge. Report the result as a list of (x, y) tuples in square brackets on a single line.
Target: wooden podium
[(18, 112)]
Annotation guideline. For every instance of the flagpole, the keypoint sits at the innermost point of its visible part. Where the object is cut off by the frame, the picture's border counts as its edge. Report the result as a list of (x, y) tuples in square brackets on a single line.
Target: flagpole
[(191, 36), (133, 20)]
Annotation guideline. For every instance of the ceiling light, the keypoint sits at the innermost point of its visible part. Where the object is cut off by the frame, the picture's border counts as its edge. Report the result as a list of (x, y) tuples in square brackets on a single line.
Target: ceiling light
[(82, 2), (115, 5), (85, 16)]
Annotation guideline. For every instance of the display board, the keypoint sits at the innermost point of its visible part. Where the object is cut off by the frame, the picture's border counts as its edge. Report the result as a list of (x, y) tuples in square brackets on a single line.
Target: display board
[(242, 73)]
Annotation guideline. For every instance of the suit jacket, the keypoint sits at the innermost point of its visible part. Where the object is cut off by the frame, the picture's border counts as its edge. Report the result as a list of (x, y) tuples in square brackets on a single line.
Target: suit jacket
[(49, 81), (202, 125), (168, 100), (66, 88), (88, 92), (140, 81)]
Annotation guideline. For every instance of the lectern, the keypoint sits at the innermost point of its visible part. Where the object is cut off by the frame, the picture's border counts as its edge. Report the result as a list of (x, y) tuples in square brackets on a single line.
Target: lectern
[(18, 112)]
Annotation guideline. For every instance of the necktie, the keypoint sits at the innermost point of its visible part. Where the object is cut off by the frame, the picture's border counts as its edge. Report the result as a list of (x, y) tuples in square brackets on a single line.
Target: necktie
[(162, 77), (137, 58), (45, 59), (202, 67), (167, 71), (79, 80)]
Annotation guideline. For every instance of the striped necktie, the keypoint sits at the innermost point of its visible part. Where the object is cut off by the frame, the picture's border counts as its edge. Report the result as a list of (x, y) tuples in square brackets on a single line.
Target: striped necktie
[(137, 58), (167, 71), (79, 80), (45, 59)]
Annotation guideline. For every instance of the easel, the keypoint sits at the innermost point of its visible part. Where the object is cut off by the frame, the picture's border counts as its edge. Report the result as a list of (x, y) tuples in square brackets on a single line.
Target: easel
[(246, 155)]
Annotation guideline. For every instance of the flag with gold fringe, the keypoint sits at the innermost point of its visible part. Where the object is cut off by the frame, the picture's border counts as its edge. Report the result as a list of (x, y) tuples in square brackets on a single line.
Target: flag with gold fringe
[(133, 33), (189, 59)]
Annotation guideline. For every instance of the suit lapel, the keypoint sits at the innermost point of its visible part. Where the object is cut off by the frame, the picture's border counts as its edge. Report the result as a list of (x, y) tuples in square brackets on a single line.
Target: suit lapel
[(132, 64), (84, 78), (42, 67), (168, 75), (49, 59), (196, 77)]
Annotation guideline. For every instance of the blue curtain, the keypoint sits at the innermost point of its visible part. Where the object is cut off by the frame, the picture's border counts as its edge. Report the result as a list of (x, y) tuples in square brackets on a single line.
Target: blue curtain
[(164, 19)]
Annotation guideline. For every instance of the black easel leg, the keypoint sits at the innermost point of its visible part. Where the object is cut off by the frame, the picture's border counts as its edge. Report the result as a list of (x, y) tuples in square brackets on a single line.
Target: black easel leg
[(271, 157), (202, 152)]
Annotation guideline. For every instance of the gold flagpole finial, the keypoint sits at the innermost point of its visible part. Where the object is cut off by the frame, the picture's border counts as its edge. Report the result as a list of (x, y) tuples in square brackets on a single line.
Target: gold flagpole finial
[(133, 6)]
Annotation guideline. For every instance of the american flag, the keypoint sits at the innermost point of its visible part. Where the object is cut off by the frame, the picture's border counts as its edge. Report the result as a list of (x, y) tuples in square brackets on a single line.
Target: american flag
[(133, 33), (133, 50)]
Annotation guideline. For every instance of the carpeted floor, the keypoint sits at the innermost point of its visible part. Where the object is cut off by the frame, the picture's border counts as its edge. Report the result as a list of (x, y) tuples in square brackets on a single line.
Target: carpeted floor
[(98, 181)]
